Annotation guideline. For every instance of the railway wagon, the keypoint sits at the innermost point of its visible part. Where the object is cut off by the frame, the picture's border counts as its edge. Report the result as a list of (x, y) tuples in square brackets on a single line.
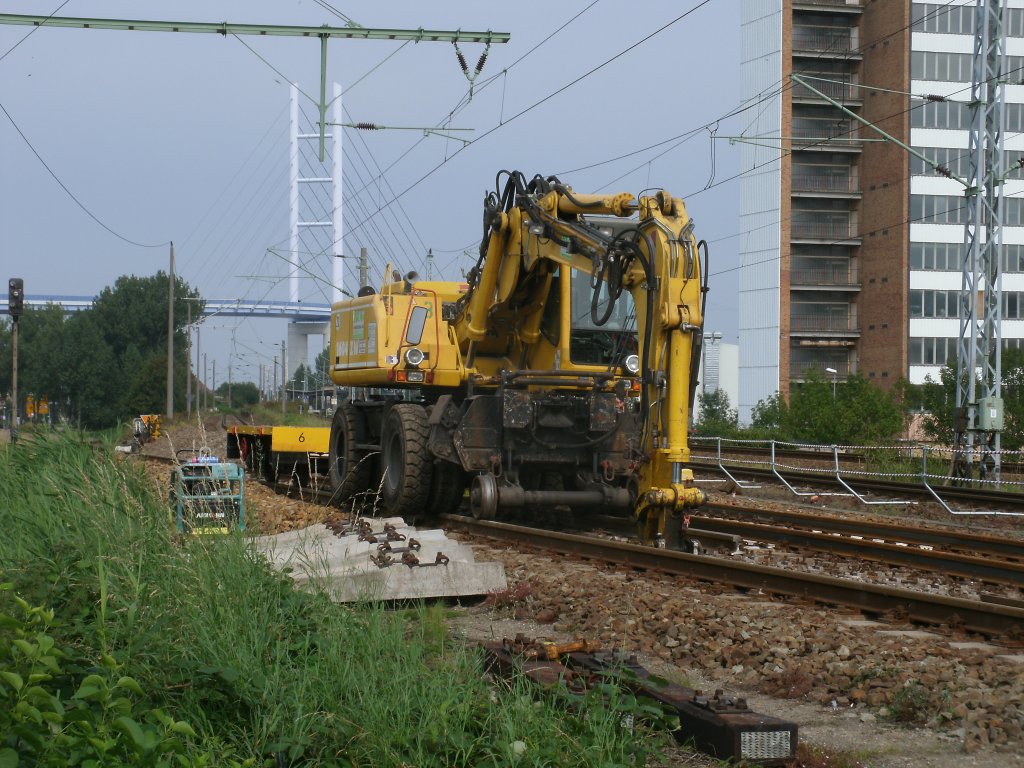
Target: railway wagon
[(277, 453)]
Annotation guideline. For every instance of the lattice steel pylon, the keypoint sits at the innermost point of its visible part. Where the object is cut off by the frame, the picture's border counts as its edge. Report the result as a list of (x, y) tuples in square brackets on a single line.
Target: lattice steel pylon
[(979, 407)]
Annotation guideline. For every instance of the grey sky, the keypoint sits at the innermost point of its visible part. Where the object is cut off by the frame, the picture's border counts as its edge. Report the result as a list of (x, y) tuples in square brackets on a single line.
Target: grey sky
[(185, 138)]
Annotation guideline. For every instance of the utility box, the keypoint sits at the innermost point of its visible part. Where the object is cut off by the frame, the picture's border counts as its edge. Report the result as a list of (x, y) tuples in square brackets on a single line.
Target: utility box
[(990, 414)]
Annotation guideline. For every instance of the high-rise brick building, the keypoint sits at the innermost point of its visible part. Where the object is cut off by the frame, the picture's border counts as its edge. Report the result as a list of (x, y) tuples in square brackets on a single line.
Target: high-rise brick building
[(850, 247)]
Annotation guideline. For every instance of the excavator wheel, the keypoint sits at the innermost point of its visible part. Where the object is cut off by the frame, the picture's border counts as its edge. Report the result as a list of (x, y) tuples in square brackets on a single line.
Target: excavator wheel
[(406, 463), (349, 470), (447, 487)]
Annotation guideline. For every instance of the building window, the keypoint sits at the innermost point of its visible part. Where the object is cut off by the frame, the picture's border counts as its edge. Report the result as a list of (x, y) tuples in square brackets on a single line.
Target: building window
[(1013, 305), (934, 303), (948, 257), (932, 351), (951, 67), (956, 160), (926, 303), (956, 115), (951, 209), (959, 20)]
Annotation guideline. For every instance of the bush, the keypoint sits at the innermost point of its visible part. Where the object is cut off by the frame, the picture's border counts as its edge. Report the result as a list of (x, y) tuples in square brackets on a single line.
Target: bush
[(55, 712)]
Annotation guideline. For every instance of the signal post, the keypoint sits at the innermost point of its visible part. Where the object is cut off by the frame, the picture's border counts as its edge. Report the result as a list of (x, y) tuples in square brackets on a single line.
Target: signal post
[(15, 306)]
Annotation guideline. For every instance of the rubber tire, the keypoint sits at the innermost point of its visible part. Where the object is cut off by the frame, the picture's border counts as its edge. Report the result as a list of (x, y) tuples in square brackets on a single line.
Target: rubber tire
[(447, 487), (406, 464), (348, 472)]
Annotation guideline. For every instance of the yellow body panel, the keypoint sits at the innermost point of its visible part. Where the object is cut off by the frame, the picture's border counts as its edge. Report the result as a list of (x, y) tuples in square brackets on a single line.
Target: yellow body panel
[(370, 336), (300, 439), (290, 439)]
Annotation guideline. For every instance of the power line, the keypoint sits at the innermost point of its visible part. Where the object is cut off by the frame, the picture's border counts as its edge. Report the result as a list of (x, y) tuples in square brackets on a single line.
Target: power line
[(466, 97), (70, 194), (33, 30), (543, 100)]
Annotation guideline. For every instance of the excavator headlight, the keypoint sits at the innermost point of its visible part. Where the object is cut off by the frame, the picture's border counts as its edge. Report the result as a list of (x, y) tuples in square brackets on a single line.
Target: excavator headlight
[(414, 356), (632, 363)]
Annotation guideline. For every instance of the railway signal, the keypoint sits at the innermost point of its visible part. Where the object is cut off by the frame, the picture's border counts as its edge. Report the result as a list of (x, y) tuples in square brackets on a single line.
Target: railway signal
[(15, 308), (15, 297)]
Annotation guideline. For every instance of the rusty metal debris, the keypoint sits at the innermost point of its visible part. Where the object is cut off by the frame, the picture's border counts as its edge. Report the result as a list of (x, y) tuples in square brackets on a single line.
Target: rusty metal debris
[(384, 557), (719, 725)]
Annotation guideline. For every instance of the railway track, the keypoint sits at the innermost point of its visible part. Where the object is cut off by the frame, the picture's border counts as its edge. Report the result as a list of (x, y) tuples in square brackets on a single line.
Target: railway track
[(1000, 562), (824, 454), (949, 539), (984, 618), (889, 488), (985, 558)]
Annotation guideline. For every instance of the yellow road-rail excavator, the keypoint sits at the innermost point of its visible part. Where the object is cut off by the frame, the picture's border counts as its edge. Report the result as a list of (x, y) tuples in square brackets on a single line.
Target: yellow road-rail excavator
[(560, 375)]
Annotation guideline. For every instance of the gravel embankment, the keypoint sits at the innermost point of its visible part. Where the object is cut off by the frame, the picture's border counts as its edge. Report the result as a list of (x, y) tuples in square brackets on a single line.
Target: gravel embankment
[(907, 699)]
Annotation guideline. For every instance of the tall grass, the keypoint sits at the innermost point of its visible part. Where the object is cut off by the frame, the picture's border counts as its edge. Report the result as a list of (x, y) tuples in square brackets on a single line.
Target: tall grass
[(259, 670)]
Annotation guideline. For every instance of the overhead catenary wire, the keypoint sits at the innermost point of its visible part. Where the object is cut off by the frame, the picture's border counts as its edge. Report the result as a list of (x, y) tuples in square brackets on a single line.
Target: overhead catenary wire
[(33, 31), (71, 194), (776, 90), (538, 103), (463, 102)]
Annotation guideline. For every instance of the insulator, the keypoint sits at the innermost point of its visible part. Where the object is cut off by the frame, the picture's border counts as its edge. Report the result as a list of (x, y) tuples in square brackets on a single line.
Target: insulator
[(934, 97), (368, 126), (480, 64), (944, 170), (462, 60)]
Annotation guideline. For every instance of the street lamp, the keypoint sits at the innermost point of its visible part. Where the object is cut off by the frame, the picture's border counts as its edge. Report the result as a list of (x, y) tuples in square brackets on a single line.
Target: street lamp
[(833, 372)]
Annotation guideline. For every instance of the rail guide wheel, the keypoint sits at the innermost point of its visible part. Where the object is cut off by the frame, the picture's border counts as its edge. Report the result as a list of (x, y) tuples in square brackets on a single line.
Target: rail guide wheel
[(483, 497)]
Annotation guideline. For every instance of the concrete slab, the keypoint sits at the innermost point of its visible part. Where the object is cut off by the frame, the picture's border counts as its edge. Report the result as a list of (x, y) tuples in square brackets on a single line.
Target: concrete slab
[(398, 582), (974, 647), (915, 634), (342, 564)]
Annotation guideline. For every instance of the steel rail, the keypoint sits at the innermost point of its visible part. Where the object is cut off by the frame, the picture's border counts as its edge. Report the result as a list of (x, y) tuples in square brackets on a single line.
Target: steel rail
[(704, 449), (984, 618), (951, 539), (953, 563), (968, 495)]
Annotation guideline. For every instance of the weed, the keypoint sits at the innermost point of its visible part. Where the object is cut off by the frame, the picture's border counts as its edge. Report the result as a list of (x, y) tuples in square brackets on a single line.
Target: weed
[(792, 683), (259, 671), (509, 598), (811, 756), (911, 704)]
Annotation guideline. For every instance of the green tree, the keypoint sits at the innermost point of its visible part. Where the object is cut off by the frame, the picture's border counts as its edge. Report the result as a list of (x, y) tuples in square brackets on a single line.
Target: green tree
[(243, 393), (91, 404), (302, 380), (322, 368), (937, 399), (716, 417), (1013, 399), (850, 412), (108, 362), (132, 316), (770, 415)]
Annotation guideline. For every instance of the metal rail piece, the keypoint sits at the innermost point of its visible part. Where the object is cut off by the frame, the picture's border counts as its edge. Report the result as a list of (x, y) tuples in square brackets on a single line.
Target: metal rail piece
[(794, 491), (949, 509), (971, 615), (859, 497), (721, 726), (951, 563)]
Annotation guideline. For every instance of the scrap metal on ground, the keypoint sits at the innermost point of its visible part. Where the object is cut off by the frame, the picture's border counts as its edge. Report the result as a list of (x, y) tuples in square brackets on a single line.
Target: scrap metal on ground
[(722, 726)]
